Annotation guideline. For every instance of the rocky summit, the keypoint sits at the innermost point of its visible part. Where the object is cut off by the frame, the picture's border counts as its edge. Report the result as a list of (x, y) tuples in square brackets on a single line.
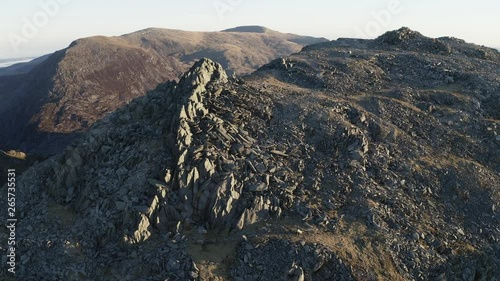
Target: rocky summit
[(351, 160)]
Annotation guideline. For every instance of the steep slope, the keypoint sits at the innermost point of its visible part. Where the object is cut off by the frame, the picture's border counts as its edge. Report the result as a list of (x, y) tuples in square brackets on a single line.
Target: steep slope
[(79, 85), (351, 160)]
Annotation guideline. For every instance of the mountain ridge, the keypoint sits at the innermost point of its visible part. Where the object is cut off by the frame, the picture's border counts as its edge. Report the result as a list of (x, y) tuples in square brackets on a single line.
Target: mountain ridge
[(96, 75)]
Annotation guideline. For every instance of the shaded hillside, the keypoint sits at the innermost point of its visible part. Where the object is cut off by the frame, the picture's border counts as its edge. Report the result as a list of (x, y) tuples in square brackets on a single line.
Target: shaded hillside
[(77, 86), (351, 160)]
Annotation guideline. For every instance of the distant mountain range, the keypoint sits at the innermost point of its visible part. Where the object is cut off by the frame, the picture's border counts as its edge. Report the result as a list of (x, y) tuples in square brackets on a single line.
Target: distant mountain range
[(20, 66), (10, 61), (49, 100)]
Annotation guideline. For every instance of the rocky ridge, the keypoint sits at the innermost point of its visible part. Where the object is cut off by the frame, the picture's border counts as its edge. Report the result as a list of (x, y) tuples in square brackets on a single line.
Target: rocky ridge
[(208, 182), (352, 160)]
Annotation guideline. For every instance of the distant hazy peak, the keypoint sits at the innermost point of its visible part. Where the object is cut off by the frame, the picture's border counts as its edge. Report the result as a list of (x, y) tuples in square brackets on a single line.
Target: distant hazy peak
[(249, 29)]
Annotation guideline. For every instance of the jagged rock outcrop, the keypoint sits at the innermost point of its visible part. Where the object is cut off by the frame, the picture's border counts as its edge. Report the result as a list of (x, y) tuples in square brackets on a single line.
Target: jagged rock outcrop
[(198, 174), (410, 40)]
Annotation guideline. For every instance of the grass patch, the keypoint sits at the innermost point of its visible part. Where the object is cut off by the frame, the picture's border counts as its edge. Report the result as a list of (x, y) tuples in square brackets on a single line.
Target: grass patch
[(17, 160), (14, 154)]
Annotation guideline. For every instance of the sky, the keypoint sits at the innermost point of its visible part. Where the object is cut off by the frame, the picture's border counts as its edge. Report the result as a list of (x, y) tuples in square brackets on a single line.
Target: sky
[(30, 28)]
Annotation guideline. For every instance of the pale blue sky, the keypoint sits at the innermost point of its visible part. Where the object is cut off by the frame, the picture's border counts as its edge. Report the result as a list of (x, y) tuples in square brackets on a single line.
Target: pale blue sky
[(475, 21)]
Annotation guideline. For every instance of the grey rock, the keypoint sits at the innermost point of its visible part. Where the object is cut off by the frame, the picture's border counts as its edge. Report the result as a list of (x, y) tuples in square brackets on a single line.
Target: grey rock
[(261, 168), (120, 205), (157, 184), (202, 230), (258, 187), (238, 149)]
